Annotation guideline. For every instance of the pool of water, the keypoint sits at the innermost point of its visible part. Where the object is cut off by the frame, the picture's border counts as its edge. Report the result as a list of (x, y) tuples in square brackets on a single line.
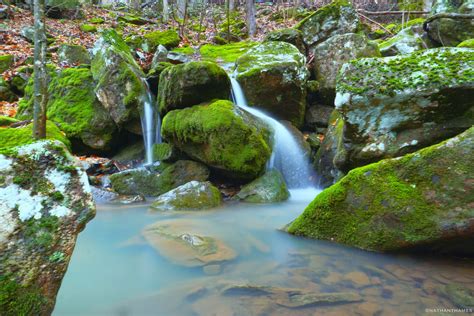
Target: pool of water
[(114, 271)]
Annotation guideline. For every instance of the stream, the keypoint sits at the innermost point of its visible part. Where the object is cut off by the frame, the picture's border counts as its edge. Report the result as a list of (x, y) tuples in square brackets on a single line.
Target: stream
[(114, 271)]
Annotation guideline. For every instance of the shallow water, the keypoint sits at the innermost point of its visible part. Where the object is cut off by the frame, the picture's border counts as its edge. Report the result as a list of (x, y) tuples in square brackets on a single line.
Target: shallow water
[(113, 270)]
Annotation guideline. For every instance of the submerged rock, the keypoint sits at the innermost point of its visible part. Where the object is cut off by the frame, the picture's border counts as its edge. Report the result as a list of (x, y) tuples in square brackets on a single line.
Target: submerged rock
[(395, 105), (269, 188), (45, 201), (229, 140), (298, 300), (183, 243), (336, 18), (273, 76), (193, 195), (459, 295), (421, 201), (192, 83)]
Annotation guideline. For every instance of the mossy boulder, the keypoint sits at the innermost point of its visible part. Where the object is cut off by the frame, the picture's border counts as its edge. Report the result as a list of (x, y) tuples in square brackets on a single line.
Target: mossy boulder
[(273, 76), (421, 201), (192, 83), (396, 105), (166, 152), (330, 55), (22, 135), (132, 19), (289, 35), (145, 182), (225, 54), (331, 150), (467, 43), (269, 188), (153, 75), (88, 28), (451, 32), (407, 41), (190, 196), (120, 85), (6, 61), (45, 201), (73, 54), (229, 140), (19, 80), (131, 153), (169, 39), (338, 17), (6, 93), (73, 105)]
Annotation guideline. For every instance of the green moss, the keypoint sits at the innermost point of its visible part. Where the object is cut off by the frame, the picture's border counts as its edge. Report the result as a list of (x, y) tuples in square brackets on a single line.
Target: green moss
[(40, 233), (6, 121), (88, 28), (186, 50), (228, 53), (12, 137), (467, 43), (322, 13), (16, 299), (169, 39), (96, 21), (5, 62), (132, 19)]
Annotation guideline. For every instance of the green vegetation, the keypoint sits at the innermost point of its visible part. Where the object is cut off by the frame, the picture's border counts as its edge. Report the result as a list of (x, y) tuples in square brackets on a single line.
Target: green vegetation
[(89, 28), (169, 39), (467, 43), (5, 62), (16, 299)]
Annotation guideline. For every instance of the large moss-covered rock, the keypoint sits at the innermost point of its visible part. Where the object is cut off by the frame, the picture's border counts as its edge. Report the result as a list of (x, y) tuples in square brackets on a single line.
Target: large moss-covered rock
[(289, 35), (190, 196), (338, 17), (22, 135), (6, 93), (451, 32), (6, 61), (169, 39), (222, 136), (273, 76), (45, 201), (149, 183), (420, 201), (120, 85), (407, 41), (73, 105), (330, 55), (269, 188), (73, 54), (191, 83), (395, 105)]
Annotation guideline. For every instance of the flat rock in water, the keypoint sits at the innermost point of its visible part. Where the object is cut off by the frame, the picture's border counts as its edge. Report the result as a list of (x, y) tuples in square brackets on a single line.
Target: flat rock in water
[(184, 243), (313, 299)]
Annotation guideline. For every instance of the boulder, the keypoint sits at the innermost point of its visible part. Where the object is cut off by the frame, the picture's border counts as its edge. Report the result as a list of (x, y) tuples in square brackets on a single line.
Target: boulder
[(192, 83), (289, 35), (190, 196), (421, 202), (467, 43), (63, 9), (169, 39), (461, 296), (407, 41), (45, 201), (153, 75), (317, 116), (19, 80), (6, 93), (166, 152), (395, 105), (336, 18), (330, 55), (269, 188), (73, 105), (131, 153), (273, 76), (149, 183), (226, 138), (120, 85), (6, 61), (73, 54), (132, 19), (451, 32)]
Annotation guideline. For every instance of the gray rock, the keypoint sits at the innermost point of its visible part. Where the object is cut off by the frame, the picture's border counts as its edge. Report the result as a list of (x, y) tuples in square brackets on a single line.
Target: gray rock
[(317, 116), (269, 188), (73, 54)]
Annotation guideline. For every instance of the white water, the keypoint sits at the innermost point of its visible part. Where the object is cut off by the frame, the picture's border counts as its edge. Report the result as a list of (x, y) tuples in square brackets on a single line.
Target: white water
[(287, 156), (151, 125)]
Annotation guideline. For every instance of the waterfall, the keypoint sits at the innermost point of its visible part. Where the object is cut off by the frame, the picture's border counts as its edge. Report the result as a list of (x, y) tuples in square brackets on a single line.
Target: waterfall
[(151, 125), (287, 155)]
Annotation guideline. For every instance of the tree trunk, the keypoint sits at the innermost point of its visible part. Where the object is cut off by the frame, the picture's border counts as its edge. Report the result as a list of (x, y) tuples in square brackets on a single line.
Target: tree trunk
[(166, 11), (251, 23), (231, 5), (181, 8), (40, 72)]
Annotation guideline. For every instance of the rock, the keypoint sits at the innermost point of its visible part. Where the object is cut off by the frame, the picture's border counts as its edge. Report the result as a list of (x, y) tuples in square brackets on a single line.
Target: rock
[(331, 150), (60, 9), (330, 55), (102, 195), (166, 152), (148, 183), (169, 39), (395, 105), (129, 199), (120, 85), (467, 43), (6, 93), (183, 243), (45, 201), (131, 153), (273, 76), (269, 188), (459, 295), (73, 54), (159, 56), (419, 202), (299, 300), (289, 35), (6, 61), (88, 28), (229, 140), (153, 75), (451, 32), (177, 58), (191, 196), (132, 19), (406, 41), (336, 18), (22, 135), (360, 279), (73, 105), (192, 83), (20, 79), (317, 116)]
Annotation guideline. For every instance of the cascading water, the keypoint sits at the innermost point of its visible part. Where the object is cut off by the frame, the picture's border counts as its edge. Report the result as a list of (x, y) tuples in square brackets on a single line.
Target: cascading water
[(151, 125), (287, 156)]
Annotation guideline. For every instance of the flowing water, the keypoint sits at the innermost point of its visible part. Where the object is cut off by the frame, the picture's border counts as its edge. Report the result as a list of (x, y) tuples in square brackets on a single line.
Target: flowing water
[(114, 271), (151, 125), (287, 156)]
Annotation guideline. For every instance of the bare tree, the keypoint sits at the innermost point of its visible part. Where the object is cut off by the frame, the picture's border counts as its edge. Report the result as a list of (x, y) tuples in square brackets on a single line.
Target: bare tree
[(40, 71), (166, 11), (251, 23)]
